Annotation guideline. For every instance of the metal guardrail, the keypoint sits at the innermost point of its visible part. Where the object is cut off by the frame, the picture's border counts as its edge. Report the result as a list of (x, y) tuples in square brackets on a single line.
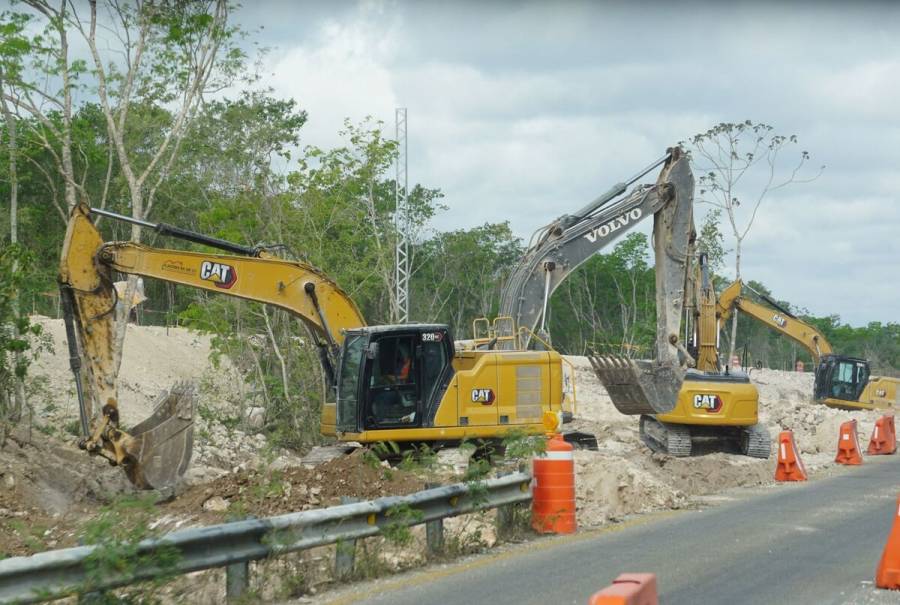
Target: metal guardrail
[(56, 573)]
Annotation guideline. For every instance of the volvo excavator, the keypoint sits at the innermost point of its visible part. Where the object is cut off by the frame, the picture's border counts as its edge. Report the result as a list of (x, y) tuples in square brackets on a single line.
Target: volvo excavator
[(402, 383), (840, 381), (711, 403)]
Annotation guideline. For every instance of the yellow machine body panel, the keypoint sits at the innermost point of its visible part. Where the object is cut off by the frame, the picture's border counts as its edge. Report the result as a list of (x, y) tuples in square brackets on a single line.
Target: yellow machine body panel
[(714, 403), (880, 393), (490, 393), (328, 419)]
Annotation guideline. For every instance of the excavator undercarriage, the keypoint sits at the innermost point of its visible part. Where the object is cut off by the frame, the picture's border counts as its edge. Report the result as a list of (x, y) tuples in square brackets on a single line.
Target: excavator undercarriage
[(682, 440)]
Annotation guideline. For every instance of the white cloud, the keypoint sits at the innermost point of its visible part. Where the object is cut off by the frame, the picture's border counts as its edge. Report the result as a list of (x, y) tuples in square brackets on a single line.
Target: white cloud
[(869, 89), (341, 72), (525, 113)]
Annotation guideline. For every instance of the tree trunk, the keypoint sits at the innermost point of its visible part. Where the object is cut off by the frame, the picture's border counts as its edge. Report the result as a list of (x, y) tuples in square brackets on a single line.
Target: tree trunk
[(734, 316), (13, 143)]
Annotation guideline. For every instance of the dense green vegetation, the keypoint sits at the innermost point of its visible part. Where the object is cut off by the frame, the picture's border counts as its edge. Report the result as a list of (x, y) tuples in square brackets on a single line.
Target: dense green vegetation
[(211, 167)]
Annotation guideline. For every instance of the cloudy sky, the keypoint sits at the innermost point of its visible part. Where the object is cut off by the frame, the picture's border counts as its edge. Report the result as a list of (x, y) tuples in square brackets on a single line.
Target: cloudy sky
[(525, 111)]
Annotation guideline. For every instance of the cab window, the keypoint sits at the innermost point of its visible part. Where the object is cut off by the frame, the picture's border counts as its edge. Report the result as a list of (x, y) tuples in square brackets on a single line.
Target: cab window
[(849, 379), (434, 359)]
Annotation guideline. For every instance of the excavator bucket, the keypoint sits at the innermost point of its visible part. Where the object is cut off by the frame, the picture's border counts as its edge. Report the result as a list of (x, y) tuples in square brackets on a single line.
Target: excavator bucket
[(160, 447), (637, 386)]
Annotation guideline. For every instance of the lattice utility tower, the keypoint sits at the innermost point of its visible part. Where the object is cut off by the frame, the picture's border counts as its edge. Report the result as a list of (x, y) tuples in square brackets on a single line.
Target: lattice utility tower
[(401, 221)]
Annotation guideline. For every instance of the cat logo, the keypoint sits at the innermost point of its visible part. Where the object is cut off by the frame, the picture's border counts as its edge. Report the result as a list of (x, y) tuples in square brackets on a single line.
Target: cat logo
[(483, 396), (881, 392), (706, 401), (222, 275), (778, 319)]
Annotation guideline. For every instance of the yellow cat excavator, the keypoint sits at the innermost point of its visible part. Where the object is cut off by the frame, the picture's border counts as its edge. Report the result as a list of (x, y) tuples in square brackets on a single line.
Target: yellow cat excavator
[(840, 382), (404, 383), (715, 404)]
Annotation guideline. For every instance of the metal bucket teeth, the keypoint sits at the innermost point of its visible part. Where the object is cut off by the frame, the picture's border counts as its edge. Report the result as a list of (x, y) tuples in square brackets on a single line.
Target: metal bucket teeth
[(160, 447), (636, 386)]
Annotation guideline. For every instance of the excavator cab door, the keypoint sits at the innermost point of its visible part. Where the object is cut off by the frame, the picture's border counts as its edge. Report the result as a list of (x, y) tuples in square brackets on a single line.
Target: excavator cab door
[(392, 377), (841, 378)]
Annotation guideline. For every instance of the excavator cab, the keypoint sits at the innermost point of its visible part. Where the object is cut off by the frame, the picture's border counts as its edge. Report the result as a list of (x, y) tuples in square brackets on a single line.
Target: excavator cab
[(839, 377), (392, 376)]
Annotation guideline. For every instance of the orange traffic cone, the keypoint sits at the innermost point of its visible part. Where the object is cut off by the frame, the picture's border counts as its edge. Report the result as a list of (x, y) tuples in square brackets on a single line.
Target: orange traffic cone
[(888, 573), (884, 440), (628, 589), (848, 445), (790, 466)]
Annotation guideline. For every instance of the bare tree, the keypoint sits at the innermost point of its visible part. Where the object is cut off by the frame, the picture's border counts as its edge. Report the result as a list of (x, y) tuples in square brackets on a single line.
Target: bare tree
[(739, 165), (142, 53)]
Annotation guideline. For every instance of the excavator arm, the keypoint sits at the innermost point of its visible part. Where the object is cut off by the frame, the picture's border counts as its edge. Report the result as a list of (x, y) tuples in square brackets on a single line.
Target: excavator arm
[(636, 387), (777, 318), (565, 244), (700, 313), (157, 450)]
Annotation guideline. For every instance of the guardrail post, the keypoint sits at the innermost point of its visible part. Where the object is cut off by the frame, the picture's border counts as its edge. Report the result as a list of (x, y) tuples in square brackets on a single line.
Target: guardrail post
[(434, 531), (345, 551), (504, 516), (237, 580)]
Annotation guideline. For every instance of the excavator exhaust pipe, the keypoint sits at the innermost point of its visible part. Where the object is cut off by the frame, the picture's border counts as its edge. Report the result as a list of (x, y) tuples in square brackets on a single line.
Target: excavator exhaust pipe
[(637, 386), (159, 449)]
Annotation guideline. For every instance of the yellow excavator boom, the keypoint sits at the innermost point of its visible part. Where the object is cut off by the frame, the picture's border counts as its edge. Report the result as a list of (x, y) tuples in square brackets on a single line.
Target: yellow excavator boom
[(840, 381), (157, 450), (800, 332)]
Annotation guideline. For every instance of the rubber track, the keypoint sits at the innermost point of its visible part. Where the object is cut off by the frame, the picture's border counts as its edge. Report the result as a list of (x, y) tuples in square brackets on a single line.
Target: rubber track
[(760, 443), (678, 438)]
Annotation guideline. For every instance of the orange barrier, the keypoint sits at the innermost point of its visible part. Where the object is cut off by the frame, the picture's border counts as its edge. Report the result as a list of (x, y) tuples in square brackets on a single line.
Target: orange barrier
[(628, 589), (848, 445), (790, 466), (884, 437), (888, 573), (553, 497)]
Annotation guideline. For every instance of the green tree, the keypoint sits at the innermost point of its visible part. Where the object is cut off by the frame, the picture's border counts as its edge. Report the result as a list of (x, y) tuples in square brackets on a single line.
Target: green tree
[(609, 303), (15, 333), (461, 275), (157, 55)]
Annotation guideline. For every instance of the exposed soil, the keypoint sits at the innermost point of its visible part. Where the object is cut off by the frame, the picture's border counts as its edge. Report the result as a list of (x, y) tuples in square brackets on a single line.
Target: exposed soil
[(267, 492), (47, 489)]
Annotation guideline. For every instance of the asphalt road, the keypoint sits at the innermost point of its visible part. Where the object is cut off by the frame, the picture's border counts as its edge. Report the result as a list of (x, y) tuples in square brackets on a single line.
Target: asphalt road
[(815, 542)]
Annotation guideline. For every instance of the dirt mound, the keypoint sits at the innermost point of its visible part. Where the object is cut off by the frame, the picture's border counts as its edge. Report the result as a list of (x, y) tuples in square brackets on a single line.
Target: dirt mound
[(266, 492), (46, 488)]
